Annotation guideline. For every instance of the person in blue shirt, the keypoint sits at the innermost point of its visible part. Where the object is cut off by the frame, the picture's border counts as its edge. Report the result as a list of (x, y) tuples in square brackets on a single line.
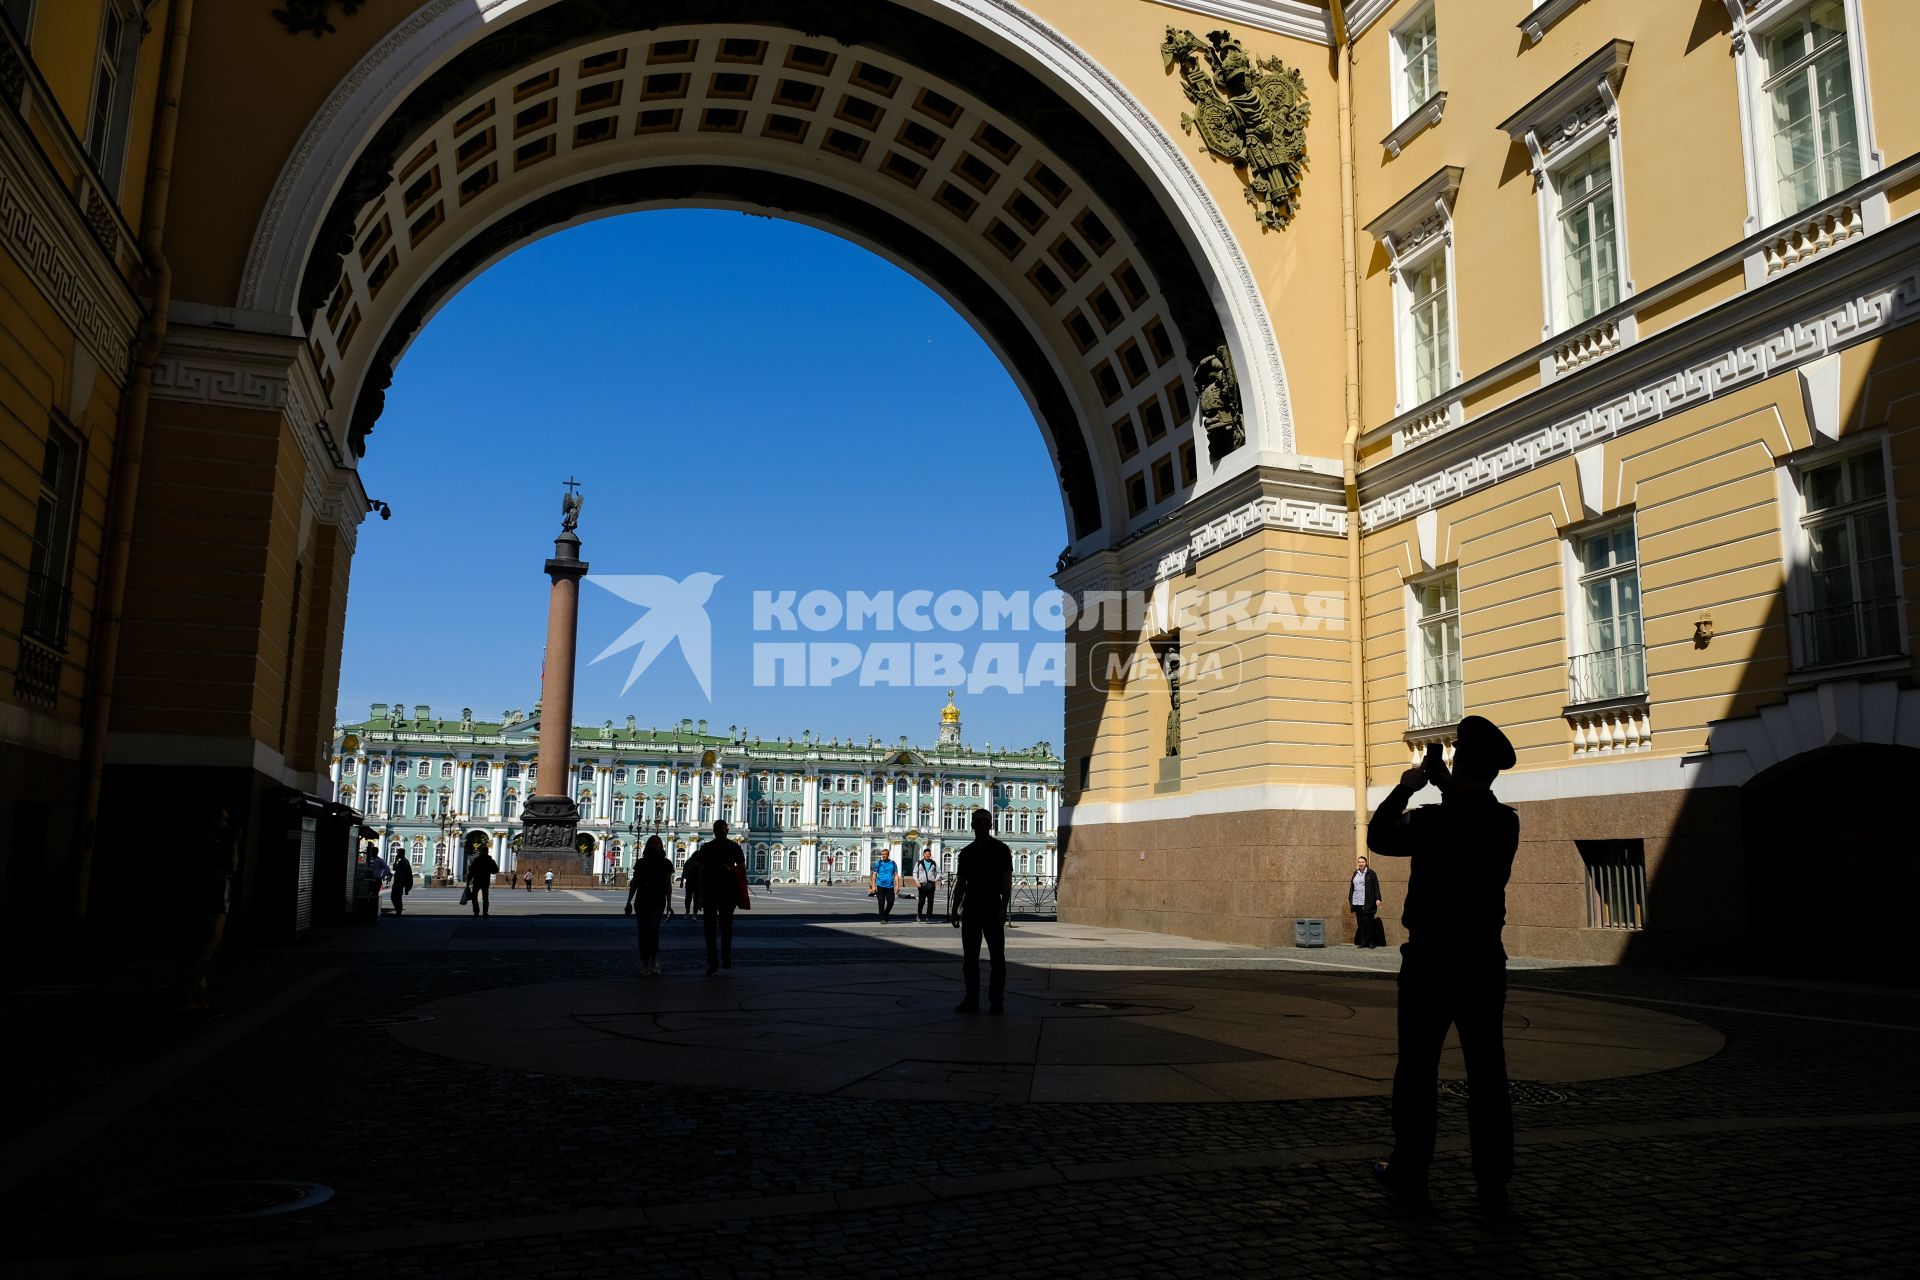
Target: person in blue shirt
[(882, 883)]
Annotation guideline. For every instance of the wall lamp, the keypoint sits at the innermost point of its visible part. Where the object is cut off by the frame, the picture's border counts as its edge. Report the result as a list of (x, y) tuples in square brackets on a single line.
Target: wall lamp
[(374, 504)]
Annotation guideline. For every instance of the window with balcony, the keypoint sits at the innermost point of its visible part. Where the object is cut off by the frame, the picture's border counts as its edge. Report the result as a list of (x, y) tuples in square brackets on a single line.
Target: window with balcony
[(1610, 658), (1433, 689), (43, 629), (1848, 575)]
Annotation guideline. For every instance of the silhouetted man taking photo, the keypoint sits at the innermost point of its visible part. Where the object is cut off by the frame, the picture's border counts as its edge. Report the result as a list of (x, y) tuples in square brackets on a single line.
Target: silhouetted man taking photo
[(1453, 969)]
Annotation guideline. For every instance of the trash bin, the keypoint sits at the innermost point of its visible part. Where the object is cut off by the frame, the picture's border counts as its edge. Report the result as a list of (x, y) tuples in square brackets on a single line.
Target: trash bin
[(1309, 933)]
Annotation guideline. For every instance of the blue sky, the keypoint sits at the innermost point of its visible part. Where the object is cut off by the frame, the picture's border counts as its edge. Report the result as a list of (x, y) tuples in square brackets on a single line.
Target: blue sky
[(738, 396)]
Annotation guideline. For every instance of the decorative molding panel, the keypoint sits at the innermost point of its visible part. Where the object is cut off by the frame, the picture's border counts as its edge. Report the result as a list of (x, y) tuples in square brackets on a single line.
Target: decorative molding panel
[(1892, 302), (1363, 14), (56, 248)]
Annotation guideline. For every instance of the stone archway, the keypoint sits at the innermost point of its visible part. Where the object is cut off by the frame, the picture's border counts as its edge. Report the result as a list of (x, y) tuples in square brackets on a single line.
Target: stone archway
[(965, 140), (1031, 106)]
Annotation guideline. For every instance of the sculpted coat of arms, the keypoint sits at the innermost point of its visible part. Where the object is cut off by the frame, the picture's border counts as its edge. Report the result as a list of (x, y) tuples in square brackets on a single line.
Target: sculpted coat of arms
[(1252, 114)]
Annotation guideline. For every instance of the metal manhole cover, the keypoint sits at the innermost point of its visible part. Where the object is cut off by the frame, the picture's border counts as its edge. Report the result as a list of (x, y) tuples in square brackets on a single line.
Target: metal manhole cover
[(1523, 1093), (1114, 1007), (217, 1201), (382, 1020)]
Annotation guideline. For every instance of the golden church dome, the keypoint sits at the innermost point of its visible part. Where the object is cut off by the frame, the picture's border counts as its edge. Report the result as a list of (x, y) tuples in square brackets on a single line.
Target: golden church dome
[(950, 714)]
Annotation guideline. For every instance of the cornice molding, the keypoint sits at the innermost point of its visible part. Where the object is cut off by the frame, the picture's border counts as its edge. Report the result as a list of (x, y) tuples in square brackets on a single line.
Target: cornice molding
[(1282, 17), (1418, 121), (1363, 14), (1676, 371), (56, 248), (1544, 15)]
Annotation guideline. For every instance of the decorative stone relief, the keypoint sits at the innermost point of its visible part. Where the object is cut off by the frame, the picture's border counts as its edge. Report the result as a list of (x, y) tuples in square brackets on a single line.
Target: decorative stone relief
[(1220, 404), (311, 15), (1252, 114)]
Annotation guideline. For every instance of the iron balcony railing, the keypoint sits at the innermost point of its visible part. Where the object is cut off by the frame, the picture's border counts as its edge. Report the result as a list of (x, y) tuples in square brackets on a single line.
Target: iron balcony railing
[(1432, 705), (1850, 632), (1607, 673)]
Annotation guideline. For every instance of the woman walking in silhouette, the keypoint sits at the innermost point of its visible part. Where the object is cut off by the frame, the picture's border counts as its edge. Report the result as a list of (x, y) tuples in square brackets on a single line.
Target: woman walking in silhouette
[(651, 892)]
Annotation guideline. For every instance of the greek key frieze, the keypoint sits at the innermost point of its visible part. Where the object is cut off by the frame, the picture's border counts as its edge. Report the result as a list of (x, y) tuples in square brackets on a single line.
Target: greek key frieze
[(1892, 303)]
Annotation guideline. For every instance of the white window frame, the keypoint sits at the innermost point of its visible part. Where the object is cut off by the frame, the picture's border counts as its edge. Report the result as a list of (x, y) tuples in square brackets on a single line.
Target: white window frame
[(1797, 561), (1403, 107), (123, 66), (1574, 569), (1753, 22), (23, 25), (1414, 618), (1559, 128), (1418, 226)]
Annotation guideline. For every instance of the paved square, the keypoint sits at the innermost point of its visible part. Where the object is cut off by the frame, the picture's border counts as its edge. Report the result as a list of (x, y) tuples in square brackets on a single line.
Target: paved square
[(509, 1097)]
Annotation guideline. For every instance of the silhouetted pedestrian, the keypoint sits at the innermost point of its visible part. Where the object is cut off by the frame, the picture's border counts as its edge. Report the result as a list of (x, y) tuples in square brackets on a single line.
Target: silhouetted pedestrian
[(691, 880), (927, 884), (651, 891), (402, 883), (1366, 906), (720, 868), (481, 868), (982, 890), (209, 857), (883, 882), (1453, 969)]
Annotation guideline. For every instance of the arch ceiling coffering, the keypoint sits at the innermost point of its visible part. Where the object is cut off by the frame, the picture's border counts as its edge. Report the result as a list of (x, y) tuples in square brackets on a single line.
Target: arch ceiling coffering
[(976, 177)]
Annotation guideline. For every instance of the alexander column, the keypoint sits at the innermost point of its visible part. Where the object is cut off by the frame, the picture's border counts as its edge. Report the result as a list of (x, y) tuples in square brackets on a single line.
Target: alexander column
[(550, 820)]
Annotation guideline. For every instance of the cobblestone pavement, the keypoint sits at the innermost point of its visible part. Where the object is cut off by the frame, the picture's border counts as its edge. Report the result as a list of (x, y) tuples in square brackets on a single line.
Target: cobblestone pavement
[(1789, 1152)]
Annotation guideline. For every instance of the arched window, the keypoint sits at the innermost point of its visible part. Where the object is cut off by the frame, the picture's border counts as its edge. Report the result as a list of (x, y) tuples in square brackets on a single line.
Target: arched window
[(480, 768), (421, 802), (680, 809), (619, 808), (659, 811), (373, 800), (479, 806), (510, 806)]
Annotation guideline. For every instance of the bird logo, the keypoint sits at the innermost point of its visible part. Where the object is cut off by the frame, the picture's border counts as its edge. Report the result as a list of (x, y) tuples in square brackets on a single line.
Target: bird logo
[(674, 611)]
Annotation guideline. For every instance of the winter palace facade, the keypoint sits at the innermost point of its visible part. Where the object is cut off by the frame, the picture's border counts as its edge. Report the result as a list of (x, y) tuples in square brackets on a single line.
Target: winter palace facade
[(807, 811)]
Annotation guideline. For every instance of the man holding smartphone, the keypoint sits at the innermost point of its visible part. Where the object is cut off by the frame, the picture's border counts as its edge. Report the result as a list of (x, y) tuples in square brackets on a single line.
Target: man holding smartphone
[(1453, 968)]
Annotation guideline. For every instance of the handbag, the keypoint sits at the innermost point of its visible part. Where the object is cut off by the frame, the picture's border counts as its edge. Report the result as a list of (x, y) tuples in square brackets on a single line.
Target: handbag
[(466, 895), (741, 897)]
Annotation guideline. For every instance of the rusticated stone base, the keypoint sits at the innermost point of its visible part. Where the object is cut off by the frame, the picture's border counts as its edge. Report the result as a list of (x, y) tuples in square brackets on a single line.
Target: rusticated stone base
[(1229, 877), (1245, 878)]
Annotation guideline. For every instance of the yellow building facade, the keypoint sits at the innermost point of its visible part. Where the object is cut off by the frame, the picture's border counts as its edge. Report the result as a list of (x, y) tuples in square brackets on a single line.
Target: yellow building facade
[(1399, 359)]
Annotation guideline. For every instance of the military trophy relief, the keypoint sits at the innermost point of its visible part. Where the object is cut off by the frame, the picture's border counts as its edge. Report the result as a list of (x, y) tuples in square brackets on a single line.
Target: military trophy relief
[(1251, 113)]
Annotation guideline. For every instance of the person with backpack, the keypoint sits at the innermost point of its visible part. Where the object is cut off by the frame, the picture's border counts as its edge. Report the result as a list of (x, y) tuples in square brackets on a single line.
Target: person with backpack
[(926, 874), (881, 883)]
